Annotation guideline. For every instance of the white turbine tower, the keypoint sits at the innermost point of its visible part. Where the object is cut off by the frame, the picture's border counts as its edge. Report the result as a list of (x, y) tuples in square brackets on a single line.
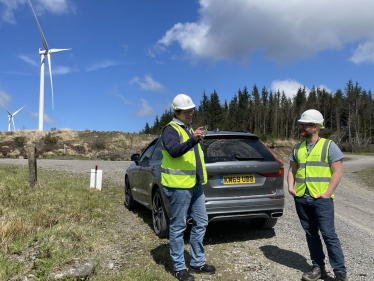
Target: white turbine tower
[(47, 52), (11, 117)]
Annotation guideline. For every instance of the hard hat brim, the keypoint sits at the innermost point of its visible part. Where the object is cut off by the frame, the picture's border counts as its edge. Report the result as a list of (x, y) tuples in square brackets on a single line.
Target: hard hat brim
[(184, 107)]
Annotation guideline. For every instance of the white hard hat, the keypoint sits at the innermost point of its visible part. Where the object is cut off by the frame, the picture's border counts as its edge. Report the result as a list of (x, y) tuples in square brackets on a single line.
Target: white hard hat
[(182, 102), (312, 116)]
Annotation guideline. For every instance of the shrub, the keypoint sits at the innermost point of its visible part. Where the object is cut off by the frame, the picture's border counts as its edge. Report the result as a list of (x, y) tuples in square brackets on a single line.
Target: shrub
[(100, 143), (20, 141), (51, 139)]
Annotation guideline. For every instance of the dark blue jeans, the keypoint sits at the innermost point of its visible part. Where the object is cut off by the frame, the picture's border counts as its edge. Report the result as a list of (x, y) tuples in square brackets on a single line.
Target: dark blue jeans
[(318, 214)]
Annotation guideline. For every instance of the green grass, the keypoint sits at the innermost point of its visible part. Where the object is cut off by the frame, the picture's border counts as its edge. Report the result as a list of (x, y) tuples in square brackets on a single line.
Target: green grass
[(61, 219)]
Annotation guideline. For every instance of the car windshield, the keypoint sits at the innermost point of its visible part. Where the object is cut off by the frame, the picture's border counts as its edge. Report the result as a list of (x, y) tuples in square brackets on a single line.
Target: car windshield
[(222, 150)]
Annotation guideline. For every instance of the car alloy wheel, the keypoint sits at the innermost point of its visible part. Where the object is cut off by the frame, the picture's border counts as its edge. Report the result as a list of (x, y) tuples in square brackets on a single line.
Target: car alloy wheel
[(160, 219), (129, 201)]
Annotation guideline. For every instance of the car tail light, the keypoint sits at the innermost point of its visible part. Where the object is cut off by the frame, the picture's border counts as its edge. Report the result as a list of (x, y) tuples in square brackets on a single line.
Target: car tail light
[(209, 176), (278, 197), (281, 170)]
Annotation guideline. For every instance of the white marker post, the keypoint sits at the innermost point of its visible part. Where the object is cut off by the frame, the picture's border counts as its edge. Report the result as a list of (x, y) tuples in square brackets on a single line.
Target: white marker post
[(96, 178)]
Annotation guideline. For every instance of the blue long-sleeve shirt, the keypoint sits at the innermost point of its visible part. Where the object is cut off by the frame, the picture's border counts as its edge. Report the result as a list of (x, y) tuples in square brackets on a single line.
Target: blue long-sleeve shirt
[(171, 142)]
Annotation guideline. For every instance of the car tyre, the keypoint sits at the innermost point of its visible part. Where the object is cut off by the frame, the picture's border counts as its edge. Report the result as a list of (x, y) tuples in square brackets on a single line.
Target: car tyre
[(159, 216), (264, 223), (129, 200)]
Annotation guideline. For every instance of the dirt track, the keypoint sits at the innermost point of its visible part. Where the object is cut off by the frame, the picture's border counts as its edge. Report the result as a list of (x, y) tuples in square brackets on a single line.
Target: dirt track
[(280, 253)]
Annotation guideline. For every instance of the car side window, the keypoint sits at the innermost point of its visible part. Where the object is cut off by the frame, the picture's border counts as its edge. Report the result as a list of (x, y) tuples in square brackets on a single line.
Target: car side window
[(157, 153), (147, 153)]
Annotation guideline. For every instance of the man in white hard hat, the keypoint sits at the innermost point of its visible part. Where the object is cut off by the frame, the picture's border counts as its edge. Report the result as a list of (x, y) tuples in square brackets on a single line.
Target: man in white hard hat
[(315, 172), (182, 176)]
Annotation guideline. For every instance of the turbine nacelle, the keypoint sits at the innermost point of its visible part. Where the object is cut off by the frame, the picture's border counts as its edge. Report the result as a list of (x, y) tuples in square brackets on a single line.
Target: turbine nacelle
[(51, 51)]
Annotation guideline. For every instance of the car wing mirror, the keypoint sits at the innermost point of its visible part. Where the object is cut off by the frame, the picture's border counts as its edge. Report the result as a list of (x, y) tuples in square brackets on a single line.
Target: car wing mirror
[(135, 158)]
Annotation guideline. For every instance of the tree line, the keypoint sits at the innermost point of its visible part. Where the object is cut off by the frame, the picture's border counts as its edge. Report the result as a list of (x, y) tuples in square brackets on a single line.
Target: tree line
[(348, 114)]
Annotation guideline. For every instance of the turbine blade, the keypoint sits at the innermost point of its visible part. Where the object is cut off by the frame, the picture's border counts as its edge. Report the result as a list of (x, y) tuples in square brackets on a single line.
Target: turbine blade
[(52, 51), (18, 110), (50, 74), (40, 29), (6, 109), (14, 128)]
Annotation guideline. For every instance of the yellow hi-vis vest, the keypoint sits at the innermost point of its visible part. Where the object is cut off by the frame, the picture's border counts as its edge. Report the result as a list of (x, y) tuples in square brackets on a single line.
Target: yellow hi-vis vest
[(313, 171), (180, 171)]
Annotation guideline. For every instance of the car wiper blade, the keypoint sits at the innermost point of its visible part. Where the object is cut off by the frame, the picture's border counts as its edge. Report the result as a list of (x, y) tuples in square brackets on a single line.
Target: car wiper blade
[(248, 158)]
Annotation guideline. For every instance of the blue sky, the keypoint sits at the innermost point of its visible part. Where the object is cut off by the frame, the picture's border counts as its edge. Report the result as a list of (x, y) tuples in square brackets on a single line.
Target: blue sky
[(130, 58)]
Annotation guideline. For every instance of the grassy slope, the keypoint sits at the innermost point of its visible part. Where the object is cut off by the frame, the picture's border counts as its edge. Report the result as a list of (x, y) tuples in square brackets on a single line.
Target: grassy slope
[(62, 219), (76, 144)]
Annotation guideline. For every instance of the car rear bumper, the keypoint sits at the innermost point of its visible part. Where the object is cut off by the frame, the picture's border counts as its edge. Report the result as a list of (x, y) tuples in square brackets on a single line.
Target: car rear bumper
[(244, 208)]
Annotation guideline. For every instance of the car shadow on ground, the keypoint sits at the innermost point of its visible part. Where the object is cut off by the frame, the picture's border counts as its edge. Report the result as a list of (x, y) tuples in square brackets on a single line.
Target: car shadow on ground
[(217, 232), (234, 231), (287, 258), (144, 214)]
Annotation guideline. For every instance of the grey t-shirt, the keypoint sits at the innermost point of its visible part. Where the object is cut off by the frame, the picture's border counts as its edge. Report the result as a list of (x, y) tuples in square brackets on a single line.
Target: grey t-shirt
[(335, 154)]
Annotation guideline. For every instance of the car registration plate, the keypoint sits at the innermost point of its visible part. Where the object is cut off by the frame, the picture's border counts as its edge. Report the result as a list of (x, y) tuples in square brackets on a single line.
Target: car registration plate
[(237, 179)]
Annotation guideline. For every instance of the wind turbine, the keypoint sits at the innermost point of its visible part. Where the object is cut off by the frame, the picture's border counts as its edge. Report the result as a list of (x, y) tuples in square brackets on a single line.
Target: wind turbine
[(11, 117), (43, 53)]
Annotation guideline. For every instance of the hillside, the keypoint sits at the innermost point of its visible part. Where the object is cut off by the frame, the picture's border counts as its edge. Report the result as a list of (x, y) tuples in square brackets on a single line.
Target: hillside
[(69, 144), (114, 146)]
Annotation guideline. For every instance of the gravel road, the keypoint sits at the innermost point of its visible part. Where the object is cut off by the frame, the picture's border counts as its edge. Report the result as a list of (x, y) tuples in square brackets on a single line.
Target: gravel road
[(280, 253)]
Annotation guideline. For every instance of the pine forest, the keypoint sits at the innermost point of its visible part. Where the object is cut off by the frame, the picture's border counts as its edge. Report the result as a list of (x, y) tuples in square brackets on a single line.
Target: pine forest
[(271, 115)]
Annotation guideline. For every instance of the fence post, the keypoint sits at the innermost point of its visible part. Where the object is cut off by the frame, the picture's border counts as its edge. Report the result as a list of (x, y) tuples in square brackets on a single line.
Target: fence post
[(64, 149), (32, 165)]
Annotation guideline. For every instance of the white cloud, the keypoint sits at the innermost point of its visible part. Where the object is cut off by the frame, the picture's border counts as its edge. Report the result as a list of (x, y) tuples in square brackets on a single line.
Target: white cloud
[(284, 30), (364, 53), (28, 60), (126, 101), (102, 64), (59, 70), (148, 84), (289, 87), (325, 87), (54, 6), (145, 109), (125, 47), (5, 99), (16, 73), (47, 119), (40, 6)]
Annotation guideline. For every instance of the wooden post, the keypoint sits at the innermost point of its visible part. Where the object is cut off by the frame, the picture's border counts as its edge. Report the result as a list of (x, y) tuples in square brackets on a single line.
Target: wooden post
[(31, 150), (64, 149)]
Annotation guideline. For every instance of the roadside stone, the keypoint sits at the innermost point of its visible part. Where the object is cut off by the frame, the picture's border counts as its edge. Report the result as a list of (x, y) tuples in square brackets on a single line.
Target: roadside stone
[(111, 266), (74, 269)]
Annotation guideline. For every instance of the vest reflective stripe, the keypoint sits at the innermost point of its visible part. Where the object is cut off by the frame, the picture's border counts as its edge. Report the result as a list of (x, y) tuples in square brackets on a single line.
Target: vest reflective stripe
[(314, 170), (315, 179), (180, 172), (318, 163)]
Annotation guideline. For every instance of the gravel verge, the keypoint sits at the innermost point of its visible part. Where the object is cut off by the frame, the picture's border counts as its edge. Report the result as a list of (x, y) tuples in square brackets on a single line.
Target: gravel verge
[(241, 253)]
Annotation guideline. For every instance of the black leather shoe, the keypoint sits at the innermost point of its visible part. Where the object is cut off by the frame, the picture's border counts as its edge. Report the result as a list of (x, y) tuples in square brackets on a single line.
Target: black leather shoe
[(340, 276), (314, 274), (206, 268), (183, 275)]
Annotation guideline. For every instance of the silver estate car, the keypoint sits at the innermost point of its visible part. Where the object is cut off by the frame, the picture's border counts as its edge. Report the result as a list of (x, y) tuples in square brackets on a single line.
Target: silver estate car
[(245, 181)]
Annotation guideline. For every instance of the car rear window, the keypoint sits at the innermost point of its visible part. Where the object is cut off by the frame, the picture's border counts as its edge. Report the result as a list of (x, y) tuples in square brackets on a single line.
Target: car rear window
[(237, 149)]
